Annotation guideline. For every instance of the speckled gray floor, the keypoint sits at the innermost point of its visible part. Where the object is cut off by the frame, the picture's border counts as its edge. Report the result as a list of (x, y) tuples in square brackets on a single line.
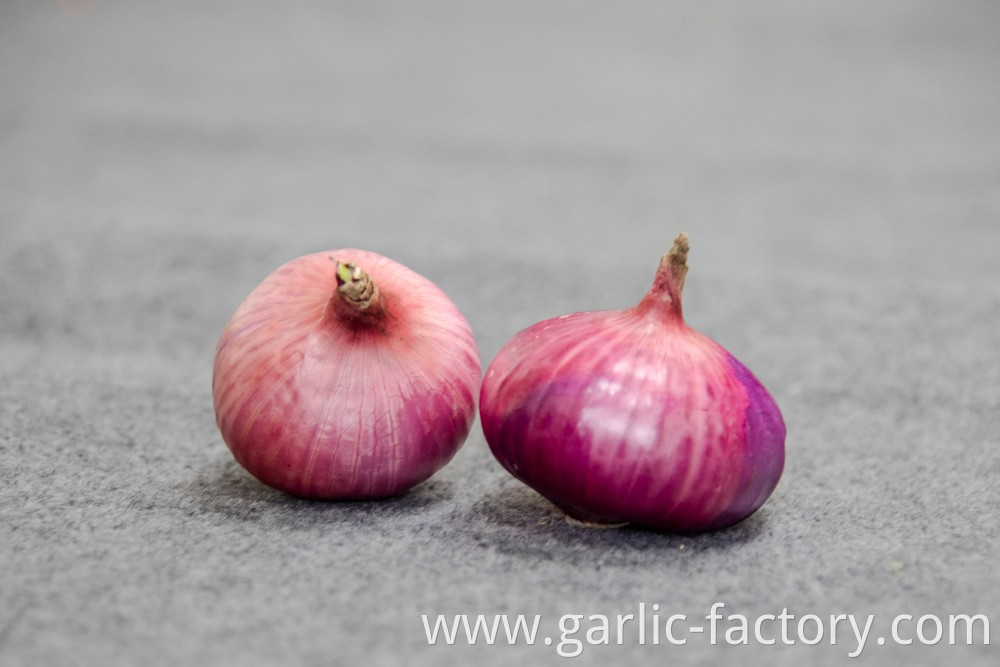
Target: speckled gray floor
[(837, 166)]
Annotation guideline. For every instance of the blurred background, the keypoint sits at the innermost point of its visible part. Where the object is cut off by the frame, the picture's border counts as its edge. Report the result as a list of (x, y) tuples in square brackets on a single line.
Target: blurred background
[(836, 165)]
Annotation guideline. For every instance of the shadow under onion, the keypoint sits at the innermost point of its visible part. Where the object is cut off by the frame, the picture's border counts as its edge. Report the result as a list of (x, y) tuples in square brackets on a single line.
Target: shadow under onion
[(536, 527), (228, 491)]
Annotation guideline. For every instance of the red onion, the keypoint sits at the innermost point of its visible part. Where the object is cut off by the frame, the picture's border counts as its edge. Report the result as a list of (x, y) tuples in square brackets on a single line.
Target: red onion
[(631, 416), (345, 375)]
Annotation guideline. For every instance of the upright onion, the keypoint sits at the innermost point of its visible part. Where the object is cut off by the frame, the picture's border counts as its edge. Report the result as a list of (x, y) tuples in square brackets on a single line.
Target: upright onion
[(632, 416), (345, 375)]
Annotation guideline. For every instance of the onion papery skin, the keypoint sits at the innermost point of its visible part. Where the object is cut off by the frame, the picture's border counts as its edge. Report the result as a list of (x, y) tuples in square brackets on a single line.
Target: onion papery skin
[(632, 416), (324, 402)]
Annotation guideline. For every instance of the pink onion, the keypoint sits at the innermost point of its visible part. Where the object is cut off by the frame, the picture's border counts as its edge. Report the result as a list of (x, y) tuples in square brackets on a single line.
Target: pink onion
[(632, 416), (345, 375)]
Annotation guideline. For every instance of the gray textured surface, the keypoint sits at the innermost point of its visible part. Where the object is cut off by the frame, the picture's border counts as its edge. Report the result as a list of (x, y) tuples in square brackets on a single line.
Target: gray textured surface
[(837, 166)]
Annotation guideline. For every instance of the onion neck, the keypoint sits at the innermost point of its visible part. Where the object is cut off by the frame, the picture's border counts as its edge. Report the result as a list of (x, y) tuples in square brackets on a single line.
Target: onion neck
[(356, 298), (665, 294)]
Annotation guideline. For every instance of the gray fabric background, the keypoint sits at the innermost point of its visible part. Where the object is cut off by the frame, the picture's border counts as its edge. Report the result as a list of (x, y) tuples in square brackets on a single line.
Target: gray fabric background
[(836, 164)]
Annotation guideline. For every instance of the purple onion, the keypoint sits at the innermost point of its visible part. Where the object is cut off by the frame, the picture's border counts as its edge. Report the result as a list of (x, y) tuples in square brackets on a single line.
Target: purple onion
[(335, 382), (631, 416)]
